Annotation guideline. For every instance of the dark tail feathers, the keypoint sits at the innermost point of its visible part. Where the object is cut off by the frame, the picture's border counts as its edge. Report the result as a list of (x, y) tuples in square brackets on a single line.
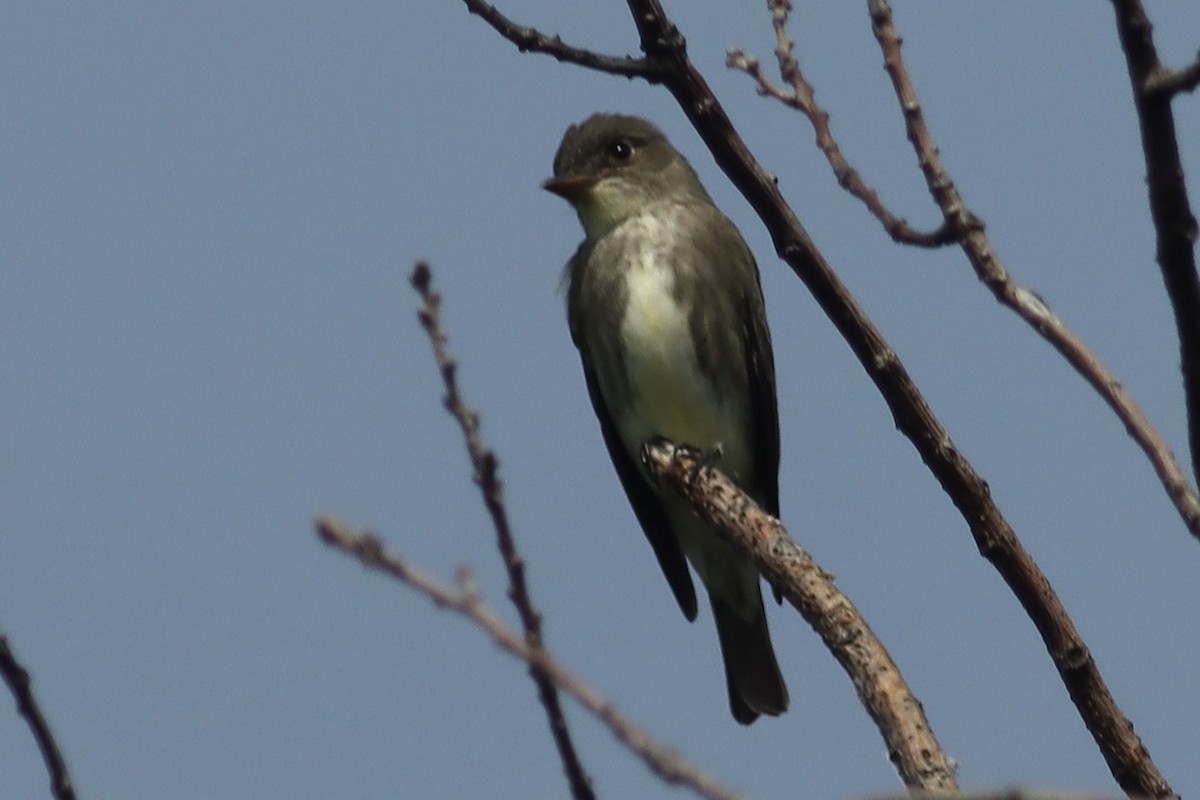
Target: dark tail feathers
[(751, 671)]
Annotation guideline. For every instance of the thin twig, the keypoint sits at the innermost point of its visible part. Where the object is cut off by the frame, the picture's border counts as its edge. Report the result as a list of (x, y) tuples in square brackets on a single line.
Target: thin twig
[(663, 762), (17, 678), (911, 744), (802, 98), (1027, 304), (529, 39), (962, 226), (484, 462), (1174, 223)]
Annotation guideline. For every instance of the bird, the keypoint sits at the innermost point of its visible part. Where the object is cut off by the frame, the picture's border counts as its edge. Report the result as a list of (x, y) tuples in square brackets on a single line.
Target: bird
[(665, 306)]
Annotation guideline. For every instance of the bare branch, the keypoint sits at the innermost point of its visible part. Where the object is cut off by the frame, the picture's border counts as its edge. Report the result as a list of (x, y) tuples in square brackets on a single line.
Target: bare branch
[(21, 687), (485, 465), (911, 744), (1174, 223), (663, 762), (529, 39), (1127, 758), (962, 226), (1027, 304), (802, 98)]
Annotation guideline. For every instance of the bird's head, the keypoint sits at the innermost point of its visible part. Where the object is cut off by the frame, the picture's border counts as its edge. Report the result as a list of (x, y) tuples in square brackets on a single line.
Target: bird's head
[(612, 167)]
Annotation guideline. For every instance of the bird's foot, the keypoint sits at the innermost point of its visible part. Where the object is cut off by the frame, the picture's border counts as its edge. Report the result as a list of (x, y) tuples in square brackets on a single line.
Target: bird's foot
[(700, 457)]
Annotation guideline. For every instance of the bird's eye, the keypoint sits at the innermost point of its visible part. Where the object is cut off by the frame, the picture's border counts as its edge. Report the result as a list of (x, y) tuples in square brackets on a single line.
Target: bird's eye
[(620, 151)]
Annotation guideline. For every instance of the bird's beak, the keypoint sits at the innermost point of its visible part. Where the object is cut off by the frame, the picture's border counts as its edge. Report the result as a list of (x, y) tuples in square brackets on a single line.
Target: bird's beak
[(569, 187)]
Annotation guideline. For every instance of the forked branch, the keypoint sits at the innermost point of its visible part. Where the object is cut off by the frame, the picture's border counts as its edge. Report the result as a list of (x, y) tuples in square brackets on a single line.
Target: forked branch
[(961, 225), (667, 61), (465, 601), (1175, 227)]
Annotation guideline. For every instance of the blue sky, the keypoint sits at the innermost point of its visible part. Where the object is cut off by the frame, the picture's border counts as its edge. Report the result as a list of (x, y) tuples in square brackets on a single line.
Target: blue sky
[(209, 214)]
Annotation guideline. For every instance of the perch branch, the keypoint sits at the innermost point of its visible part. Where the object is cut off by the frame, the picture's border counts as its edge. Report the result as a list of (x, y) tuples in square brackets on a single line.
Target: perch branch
[(911, 744)]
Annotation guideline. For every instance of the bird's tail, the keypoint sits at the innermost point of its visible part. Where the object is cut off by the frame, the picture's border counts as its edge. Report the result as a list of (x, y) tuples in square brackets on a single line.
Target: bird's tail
[(751, 671)]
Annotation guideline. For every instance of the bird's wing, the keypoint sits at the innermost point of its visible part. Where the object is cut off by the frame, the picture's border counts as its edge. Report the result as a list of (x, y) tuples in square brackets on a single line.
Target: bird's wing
[(760, 369), (725, 253), (646, 505)]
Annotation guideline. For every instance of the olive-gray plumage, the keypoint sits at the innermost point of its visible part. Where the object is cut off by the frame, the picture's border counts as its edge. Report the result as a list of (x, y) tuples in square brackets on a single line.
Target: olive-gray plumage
[(664, 304)]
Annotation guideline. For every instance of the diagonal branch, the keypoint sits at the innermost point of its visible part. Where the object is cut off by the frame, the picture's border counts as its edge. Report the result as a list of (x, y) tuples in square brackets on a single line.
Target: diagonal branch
[(1027, 304), (19, 684), (485, 465), (911, 744), (961, 225), (666, 52), (667, 764), (1174, 224)]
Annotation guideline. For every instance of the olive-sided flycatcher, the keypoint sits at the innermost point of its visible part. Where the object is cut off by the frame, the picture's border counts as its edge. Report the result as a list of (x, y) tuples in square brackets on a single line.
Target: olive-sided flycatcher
[(665, 306)]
